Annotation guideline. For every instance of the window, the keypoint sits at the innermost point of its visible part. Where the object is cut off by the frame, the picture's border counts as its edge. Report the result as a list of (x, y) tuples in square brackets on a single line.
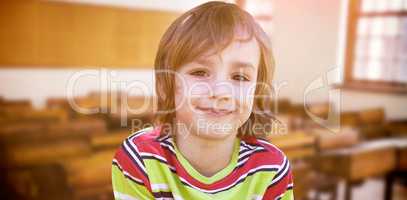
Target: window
[(376, 46)]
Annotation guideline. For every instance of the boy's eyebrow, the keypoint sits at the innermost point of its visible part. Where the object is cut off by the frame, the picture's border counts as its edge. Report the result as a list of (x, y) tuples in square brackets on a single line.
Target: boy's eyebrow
[(240, 64), (205, 62), (237, 64)]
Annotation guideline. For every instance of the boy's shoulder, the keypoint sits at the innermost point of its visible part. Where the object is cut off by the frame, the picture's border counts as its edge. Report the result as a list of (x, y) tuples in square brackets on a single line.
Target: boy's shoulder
[(146, 139), (147, 134), (269, 153)]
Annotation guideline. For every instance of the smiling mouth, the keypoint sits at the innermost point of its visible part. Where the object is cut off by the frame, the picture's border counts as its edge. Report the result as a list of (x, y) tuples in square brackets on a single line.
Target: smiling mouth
[(213, 112)]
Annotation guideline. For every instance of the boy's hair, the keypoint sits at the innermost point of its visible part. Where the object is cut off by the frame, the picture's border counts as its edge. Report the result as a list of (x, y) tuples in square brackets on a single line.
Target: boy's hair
[(210, 27)]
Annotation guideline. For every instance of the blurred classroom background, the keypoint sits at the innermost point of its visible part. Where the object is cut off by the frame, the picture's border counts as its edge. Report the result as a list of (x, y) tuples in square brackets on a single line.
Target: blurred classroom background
[(76, 78)]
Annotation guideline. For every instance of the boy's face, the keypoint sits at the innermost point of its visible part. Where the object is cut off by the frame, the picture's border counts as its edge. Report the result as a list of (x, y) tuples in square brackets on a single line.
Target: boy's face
[(214, 94)]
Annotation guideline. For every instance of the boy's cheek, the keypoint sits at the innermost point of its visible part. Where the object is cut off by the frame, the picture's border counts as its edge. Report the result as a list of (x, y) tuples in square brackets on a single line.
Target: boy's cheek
[(245, 95), (247, 104), (194, 88)]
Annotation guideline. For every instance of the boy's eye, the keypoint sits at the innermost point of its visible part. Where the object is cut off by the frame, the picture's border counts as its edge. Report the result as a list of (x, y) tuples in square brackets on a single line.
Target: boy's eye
[(240, 77), (199, 73)]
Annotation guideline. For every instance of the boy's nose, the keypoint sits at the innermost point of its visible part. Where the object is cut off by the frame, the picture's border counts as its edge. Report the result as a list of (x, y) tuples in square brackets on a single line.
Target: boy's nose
[(222, 90)]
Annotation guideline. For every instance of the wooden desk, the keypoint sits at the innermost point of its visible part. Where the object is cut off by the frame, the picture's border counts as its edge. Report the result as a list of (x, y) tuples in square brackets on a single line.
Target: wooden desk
[(296, 145), (355, 164), (400, 170)]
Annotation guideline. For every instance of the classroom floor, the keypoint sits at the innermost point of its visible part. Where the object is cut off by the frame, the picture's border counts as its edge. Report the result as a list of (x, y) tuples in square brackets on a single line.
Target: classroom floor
[(372, 189)]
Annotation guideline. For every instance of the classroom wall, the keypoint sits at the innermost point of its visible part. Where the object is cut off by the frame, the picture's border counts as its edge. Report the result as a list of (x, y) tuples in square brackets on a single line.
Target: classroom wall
[(307, 45), (305, 42)]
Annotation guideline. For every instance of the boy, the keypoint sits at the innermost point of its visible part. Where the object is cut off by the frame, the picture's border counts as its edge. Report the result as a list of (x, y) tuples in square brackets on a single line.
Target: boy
[(211, 64)]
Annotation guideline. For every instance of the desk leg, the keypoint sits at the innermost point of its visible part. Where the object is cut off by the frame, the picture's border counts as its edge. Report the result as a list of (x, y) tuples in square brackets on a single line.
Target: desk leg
[(388, 186), (348, 190)]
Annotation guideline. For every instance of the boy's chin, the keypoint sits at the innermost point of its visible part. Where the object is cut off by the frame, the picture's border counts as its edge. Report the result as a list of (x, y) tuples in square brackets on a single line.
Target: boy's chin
[(215, 134)]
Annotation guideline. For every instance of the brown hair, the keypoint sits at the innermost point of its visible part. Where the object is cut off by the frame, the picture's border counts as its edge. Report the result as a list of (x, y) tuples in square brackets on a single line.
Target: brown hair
[(211, 26)]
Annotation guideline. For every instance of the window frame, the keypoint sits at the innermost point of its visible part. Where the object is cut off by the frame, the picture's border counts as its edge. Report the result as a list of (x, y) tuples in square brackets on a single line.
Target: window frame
[(349, 82)]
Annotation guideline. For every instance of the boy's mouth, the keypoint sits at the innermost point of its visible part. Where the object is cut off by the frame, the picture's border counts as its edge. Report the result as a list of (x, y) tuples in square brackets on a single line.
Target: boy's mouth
[(214, 112)]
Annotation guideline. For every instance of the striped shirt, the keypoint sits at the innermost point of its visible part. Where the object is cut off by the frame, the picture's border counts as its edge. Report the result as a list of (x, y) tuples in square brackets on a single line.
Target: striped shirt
[(150, 166)]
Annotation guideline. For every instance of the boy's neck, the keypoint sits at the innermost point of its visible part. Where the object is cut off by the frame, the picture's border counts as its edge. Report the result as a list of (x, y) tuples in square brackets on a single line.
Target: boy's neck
[(207, 156)]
